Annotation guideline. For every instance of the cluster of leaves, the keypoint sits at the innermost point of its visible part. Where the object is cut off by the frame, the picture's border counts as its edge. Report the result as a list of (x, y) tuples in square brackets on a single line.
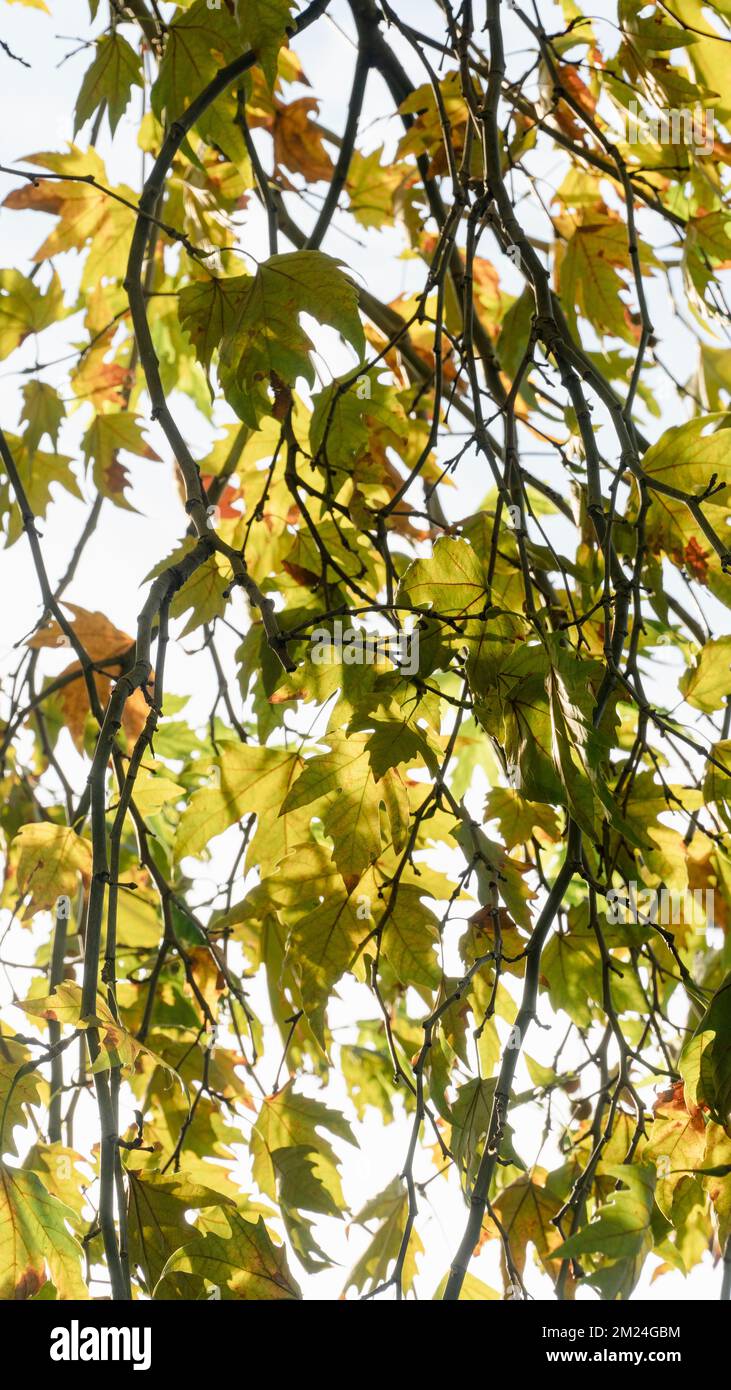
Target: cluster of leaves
[(438, 844)]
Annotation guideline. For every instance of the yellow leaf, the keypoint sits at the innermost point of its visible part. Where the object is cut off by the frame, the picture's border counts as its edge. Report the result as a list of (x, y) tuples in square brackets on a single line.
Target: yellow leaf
[(33, 1235), (50, 861)]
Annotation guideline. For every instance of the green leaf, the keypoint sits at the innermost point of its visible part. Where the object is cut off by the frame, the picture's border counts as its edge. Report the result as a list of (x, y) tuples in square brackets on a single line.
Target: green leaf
[(243, 1265), (621, 1228), (691, 458), (62, 1175), (321, 946), (299, 1186), (717, 783), (197, 43), (717, 1164), (264, 25), (251, 779), (368, 1075), (409, 938), (346, 411), (707, 54), (572, 967), (289, 1120), (526, 1209), (451, 582), (43, 411), (519, 818), (705, 1062), (156, 1219), (495, 872), (207, 309), (470, 1116), (340, 787), (579, 749), (114, 71), (266, 344), (390, 1208), (371, 186), (590, 282), (26, 308), (119, 1048), (394, 742), (569, 737), (204, 594)]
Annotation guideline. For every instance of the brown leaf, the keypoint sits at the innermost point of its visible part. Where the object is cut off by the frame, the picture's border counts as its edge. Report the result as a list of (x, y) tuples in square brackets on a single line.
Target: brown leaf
[(101, 641), (41, 196), (298, 141), (569, 122), (74, 701), (99, 638), (695, 559), (307, 578), (29, 1283)]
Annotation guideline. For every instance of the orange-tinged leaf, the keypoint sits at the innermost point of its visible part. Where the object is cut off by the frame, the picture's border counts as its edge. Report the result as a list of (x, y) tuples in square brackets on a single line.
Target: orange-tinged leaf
[(105, 438), (87, 215), (102, 642), (118, 1046), (99, 638), (298, 143)]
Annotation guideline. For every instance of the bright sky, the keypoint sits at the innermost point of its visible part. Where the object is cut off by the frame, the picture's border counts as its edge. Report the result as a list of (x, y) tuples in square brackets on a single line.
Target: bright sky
[(38, 103)]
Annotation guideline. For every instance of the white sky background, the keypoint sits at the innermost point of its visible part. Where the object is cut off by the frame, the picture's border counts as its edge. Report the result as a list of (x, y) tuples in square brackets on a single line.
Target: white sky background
[(38, 115)]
